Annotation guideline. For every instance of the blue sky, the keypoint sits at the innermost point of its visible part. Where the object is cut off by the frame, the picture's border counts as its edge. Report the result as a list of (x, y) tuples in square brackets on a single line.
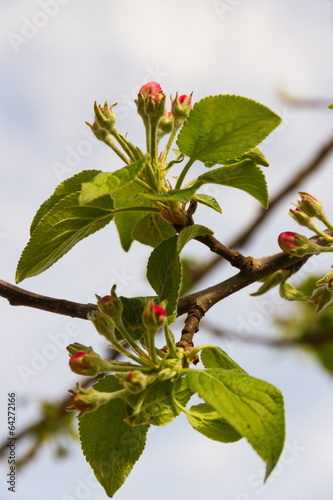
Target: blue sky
[(57, 58)]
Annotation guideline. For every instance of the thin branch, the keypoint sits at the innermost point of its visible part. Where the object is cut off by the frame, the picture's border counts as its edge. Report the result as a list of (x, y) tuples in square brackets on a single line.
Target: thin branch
[(291, 186), (236, 259), (17, 296)]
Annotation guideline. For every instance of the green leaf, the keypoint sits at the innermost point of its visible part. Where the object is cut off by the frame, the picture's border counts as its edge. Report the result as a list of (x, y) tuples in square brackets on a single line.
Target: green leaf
[(288, 292), (109, 182), (207, 200), (132, 317), (180, 195), (254, 155), (152, 230), (69, 186), (164, 269), (209, 422), (125, 222), (164, 274), (215, 357), (110, 445), (224, 127), (191, 232), (245, 175), (61, 228), (253, 407), (158, 407)]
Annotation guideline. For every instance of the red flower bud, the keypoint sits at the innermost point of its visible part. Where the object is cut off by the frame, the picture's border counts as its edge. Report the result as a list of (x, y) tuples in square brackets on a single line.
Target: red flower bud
[(181, 107), (288, 240), (111, 305), (85, 363), (150, 88), (159, 312)]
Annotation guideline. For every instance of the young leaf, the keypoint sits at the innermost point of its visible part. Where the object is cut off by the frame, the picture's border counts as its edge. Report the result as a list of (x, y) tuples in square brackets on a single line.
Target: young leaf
[(164, 270), (110, 445), (109, 182), (245, 175), (181, 195), (132, 317), (152, 230), (253, 407), (215, 357), (164, 273), (254, 155), (207, 200), (69, 186), (125, 222), (224, 127), (61, 228), (209, 422), (158, 407)]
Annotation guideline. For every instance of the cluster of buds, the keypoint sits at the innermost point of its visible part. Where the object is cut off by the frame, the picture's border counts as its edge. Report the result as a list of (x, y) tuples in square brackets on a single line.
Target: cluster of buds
[(308, 208), (87, 400)]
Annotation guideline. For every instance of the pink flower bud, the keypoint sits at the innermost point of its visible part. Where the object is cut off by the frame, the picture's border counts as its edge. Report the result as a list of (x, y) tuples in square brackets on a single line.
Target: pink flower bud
[(310, 205), (111, 305), (297, 245), (150, 88), (181, 107), (85, 363), (288, 240)]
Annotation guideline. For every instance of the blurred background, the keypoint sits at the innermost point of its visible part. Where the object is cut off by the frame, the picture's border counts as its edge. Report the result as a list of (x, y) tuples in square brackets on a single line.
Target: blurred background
[(57, 58)]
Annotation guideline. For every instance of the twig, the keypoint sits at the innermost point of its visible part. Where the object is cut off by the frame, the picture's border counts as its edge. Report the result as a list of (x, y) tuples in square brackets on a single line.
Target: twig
[(17, 296), (236, 259), (291, 186)]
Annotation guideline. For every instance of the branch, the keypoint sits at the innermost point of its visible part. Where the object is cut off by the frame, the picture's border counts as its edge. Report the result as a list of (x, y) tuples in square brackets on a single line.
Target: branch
[(236, 259), (17, 296), (291, 186)]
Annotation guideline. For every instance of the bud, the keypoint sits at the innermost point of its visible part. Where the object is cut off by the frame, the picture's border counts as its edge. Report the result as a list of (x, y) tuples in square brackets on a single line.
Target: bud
[(103, 324), (181, 107), (150, 88), (321, 298), (155, 106), (134, 382), (326, 280), (165, 125), (154, 316), (88, 364), (87, 400), (303, 219), (105, 118), (110, 305), (291, 242), (310, 205)]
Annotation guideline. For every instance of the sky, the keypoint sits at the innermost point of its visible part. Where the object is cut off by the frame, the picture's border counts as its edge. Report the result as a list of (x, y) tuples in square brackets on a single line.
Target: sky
[(56, 58)]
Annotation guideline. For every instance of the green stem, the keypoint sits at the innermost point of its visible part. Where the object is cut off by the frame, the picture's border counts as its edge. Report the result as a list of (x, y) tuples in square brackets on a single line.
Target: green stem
[(152, 348), (170, 340), (196, 350), (130, 341), (123, 351), (169, 144), (125, 147), (327, 224), (109, 142), (108, 366), (143, 184), (184, 172)]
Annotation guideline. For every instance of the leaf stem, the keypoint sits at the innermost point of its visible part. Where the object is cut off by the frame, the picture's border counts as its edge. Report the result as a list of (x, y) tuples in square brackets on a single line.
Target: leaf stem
[(170, 340), (184, 172)]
